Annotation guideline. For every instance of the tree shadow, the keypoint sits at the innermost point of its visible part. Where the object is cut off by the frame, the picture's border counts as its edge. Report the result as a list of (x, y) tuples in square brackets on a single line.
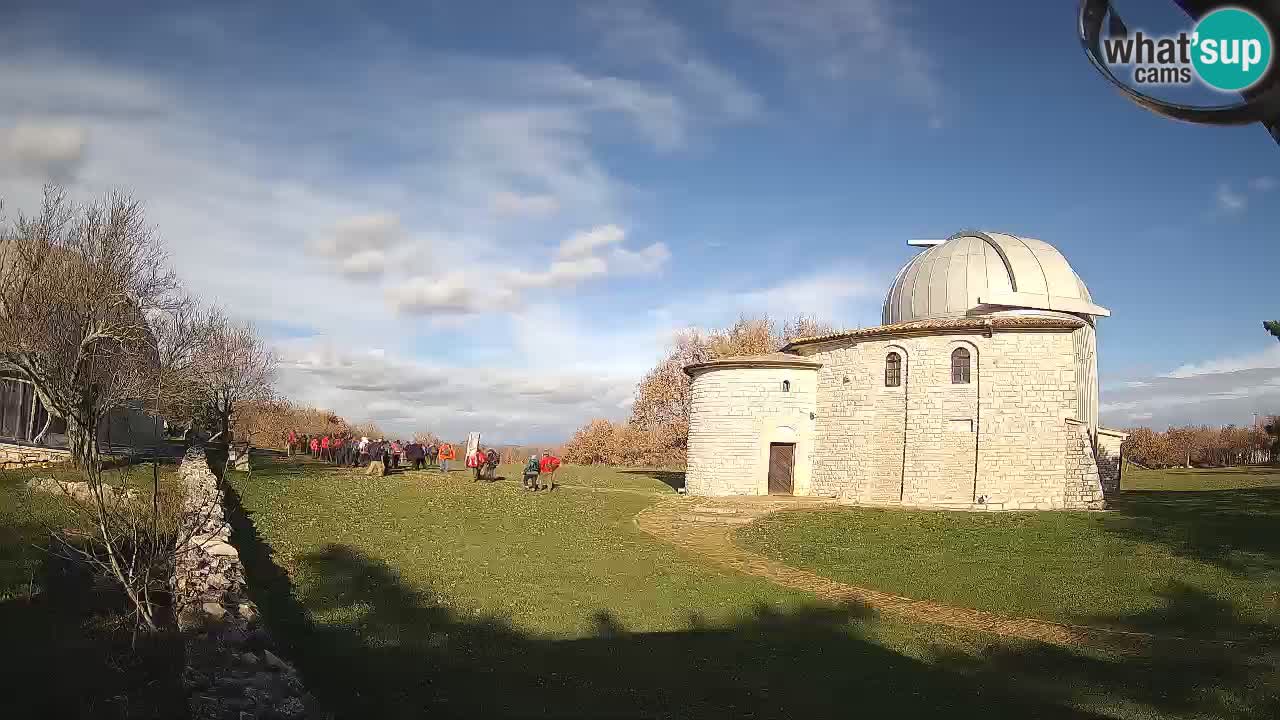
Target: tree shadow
[(1197, 677), (1233, 529), (673, 479), (384, 649)]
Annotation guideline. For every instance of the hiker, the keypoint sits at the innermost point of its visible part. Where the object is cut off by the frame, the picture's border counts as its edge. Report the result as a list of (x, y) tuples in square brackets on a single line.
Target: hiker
[(547, 470), (433, 454), (363, 455), (475, 461), (324, 448), (377, 460), (446, 454), (292, 440), (491, 464), (530, 475), (415, 454), (396, 451), (315, 447)]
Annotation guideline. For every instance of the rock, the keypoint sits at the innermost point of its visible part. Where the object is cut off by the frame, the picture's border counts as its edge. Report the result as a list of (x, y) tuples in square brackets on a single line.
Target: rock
[(248, 612), (290, 709), (273, 661), (214, 610), (219, 581), (221, 549), (249, 659)]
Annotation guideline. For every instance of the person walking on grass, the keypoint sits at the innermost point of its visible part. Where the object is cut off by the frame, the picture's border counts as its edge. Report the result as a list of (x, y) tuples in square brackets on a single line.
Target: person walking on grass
[(396, 451), (433, 454), (491, 464), (315, 447), (529, 478), (324, 448), (547, 468), (292, 440), (446, 454)]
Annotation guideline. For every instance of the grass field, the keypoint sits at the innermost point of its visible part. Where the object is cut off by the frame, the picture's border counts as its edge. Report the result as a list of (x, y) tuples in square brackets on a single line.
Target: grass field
[(423, 593), (1168, 558), (68, 650)]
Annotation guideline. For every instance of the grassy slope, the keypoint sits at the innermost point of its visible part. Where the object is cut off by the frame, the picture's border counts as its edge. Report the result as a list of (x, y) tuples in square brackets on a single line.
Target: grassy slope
[(60, 631), (420, 591), (1192, 562)]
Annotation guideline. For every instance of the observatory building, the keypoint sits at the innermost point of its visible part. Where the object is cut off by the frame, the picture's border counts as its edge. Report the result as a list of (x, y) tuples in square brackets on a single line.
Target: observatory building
[(978, 391)]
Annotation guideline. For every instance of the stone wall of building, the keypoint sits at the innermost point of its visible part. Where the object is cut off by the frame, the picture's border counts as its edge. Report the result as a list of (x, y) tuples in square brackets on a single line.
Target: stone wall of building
[(735, 414), (18, 456), (232, 672), (997, 442), (1110, 460), (1083, 488)]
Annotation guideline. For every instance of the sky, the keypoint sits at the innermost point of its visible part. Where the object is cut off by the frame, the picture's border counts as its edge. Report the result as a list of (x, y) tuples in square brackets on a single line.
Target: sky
[(493, 216)]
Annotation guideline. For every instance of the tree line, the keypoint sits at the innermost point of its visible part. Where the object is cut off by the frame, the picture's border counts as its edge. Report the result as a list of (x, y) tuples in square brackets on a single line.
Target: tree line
[(1201, 445), (657, 433)]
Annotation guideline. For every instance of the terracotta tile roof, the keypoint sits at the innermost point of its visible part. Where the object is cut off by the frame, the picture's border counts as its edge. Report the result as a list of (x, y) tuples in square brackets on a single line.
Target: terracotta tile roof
[(953, 324), (774, 359)]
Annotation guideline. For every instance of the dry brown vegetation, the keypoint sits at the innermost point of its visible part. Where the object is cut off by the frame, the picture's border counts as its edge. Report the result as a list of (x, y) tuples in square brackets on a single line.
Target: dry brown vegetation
[(1198, 446), (657, 433)]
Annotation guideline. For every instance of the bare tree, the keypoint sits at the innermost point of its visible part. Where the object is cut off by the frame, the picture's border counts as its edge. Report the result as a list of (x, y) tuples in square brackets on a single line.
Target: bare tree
[(93, 318), (78, 286), (236, 367)]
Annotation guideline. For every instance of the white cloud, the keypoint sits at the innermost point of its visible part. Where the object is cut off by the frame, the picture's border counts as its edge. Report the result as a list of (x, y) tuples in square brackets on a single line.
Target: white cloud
[(587, 242), (405, 395), (1268, 358), (650, 259), (845, 47), (1223, 390), (45, 151), (635, 33), (365, 263), (361, 233), (509, 203), (451, 293), (1265, 183), (1229, 200)]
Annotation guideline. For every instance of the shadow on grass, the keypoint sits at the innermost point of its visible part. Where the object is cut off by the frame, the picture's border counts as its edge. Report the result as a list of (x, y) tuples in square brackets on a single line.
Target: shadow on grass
[(383, 648), (69, 650), (673, 479), (1233, 529)]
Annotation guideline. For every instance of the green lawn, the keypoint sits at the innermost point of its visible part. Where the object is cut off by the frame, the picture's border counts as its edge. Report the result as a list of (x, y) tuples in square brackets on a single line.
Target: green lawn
[(424, 594), (68, 651), (1168, 558)]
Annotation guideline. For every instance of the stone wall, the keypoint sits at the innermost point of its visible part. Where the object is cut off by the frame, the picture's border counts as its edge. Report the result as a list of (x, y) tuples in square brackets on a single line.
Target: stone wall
[(232, 671), (735, 414), (1083, 489), (1110, 460), (19, 456), (998, 442)]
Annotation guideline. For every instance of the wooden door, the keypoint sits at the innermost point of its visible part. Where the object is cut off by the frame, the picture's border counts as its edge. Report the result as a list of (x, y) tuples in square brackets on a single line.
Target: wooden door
[(782, 458)]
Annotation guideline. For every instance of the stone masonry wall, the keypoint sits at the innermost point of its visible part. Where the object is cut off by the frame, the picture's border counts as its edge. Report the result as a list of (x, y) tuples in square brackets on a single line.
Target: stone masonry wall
[(735, 414), (1006, 427), (1083, 487), (232, 672), (18, 456)]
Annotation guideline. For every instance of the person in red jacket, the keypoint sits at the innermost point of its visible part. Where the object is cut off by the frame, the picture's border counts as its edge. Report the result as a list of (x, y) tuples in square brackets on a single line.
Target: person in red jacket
[(324, 448), (315, 447), (293, 442), (475, 461), (547, 471)]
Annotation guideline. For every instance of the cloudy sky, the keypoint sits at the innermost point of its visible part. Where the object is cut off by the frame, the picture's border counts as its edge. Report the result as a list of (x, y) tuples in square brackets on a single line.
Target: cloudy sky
[(492, 216)]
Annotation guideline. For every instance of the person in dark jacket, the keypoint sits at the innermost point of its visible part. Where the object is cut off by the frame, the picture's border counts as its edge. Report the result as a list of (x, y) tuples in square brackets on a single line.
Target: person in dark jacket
[(433, 454), (491, 465), (415, 454)]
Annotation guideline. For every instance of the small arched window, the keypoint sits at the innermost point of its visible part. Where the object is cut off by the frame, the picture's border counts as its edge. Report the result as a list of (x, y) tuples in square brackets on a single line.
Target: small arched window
[(786, 386), (960, 366), (893, 370)]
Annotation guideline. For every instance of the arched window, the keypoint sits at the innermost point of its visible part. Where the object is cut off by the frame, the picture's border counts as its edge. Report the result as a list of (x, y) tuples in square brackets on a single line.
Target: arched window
[(893, 370), (960, 366), (786, 386)]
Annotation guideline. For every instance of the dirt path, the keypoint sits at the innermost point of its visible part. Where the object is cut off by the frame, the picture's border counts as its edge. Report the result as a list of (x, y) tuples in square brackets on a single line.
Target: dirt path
[(706, 526)]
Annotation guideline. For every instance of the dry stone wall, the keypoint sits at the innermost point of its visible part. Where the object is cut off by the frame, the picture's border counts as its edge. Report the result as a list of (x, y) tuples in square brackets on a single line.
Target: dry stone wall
[(232, 672), (19, 456)]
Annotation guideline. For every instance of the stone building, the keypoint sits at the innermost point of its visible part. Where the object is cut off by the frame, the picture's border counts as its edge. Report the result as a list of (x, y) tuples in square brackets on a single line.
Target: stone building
[(978, 391)]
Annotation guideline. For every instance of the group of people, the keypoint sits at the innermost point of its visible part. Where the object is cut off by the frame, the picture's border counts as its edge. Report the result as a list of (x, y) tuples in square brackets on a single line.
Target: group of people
[(346, 450), (381, 456)]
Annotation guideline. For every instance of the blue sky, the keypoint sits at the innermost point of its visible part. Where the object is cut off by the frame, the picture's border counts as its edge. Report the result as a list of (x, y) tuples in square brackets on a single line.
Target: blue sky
[(493, 215)]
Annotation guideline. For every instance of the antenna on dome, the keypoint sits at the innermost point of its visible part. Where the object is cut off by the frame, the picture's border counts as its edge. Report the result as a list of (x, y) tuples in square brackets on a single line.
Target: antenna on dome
[(924, 243)]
